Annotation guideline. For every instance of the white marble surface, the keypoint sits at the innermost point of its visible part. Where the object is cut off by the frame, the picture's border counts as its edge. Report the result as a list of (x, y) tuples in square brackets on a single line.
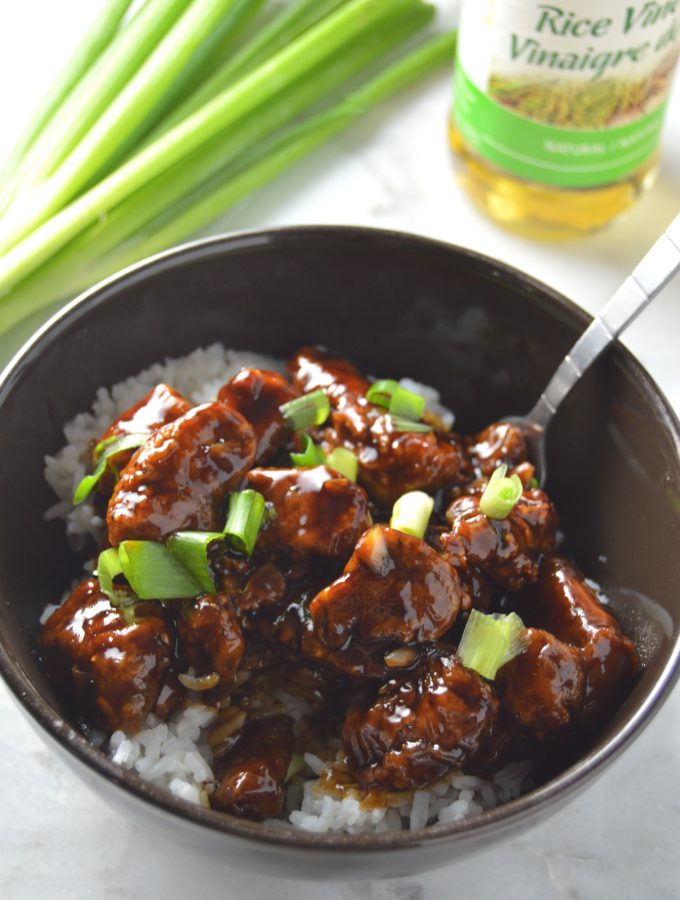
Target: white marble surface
[(617, 840)]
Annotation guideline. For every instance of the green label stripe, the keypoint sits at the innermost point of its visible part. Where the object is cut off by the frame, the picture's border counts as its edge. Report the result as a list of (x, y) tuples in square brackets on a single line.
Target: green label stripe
[(543, 153)]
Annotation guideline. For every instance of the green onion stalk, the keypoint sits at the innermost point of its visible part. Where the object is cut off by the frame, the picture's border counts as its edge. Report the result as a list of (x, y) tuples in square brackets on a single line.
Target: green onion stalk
[(97, 39), (217, 196), (83, 261), (91, 97), (39, 216), (291, 22)]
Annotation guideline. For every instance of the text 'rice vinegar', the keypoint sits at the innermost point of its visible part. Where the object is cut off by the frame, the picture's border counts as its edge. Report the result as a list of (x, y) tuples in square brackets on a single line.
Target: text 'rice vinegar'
[(558, 107)]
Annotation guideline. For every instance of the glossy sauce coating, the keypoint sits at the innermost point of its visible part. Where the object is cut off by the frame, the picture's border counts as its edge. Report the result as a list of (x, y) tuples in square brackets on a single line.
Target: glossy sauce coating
[(163, 404), (334, 606), (313, 368), (420, 724), (506, 551), (393, 462), (257, 395), (561, 602), (180, 477), (543, 687), (114, 667), (318, 512), (251, 784), (394, 588), (500, 442), (210, 637)]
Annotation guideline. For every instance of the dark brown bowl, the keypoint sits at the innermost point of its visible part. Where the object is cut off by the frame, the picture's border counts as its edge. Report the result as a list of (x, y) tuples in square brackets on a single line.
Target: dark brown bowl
[(488, 337)]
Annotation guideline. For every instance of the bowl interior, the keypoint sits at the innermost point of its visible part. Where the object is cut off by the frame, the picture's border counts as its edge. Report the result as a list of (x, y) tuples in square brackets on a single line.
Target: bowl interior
[(487, 337)]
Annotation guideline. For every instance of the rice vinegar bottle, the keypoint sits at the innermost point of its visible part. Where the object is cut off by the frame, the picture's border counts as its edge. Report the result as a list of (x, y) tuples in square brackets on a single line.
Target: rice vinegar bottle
[(558, 107)]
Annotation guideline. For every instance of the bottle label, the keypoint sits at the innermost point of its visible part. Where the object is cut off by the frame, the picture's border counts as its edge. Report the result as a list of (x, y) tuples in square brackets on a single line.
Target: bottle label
[(571, 93)]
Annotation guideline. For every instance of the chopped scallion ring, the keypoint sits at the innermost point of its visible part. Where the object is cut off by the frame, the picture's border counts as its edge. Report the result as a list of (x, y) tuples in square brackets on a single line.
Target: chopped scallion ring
[(190, 548), (380, 392), (153, 572), (246, 511), (344, 462), (501, 494), (307, 411), (401, 424), (311, 456), (108, 567), (407, 405), (411, 513), (108, 448), (396, 399), (490, 641)]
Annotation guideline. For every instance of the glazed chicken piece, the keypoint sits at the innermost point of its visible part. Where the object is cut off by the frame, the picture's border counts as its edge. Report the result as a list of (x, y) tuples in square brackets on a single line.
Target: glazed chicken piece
[(210, 637), (252, 783), (257, 395), (114, 668), (420, 724), (313, 368), (543, 687), (562, 603), (394, 588), (160, 406), (393, 462), (498, 443), (505, 551), (180, 477), (318, 512)]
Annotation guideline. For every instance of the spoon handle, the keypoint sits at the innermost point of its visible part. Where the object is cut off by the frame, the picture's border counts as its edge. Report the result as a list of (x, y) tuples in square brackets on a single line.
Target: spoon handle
[(652, 273)]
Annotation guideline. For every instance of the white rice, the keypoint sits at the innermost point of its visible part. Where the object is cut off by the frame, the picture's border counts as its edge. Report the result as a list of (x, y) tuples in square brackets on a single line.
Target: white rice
[(175, 755)]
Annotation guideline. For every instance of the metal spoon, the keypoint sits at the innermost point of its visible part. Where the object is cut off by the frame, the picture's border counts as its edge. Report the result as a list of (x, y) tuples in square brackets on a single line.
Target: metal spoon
[(651, 274)]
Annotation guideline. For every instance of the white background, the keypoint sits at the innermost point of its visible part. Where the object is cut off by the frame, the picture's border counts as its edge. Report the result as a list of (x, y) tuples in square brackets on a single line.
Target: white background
[(394, 170)]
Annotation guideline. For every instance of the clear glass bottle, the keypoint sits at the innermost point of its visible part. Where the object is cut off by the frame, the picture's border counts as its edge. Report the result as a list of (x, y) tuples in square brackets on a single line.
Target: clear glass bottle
[(558, 108)]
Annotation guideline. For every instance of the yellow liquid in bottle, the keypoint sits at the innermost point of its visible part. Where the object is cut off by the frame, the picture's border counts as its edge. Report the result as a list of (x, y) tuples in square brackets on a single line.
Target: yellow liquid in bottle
[(542, 211)]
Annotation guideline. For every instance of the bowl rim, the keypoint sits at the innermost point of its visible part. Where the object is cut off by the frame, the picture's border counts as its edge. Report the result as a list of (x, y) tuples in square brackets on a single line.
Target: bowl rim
[(74, 742)]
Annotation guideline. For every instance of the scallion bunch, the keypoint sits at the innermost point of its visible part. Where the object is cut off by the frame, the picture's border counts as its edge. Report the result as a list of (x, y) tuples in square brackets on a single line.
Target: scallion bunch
[(172, 111)]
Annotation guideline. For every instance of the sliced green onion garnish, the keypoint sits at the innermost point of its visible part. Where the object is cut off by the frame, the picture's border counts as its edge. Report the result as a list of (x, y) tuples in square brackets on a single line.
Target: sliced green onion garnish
[(108, 567), (311, 456), (411, 513), (406, 404), (153, 572), (306, 411), (380, 392), (344, 462), (501, 494), (108, 448), (490, 641), (533, 484), (401, 424), (246, 511), (190, 548), (395, 398)]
